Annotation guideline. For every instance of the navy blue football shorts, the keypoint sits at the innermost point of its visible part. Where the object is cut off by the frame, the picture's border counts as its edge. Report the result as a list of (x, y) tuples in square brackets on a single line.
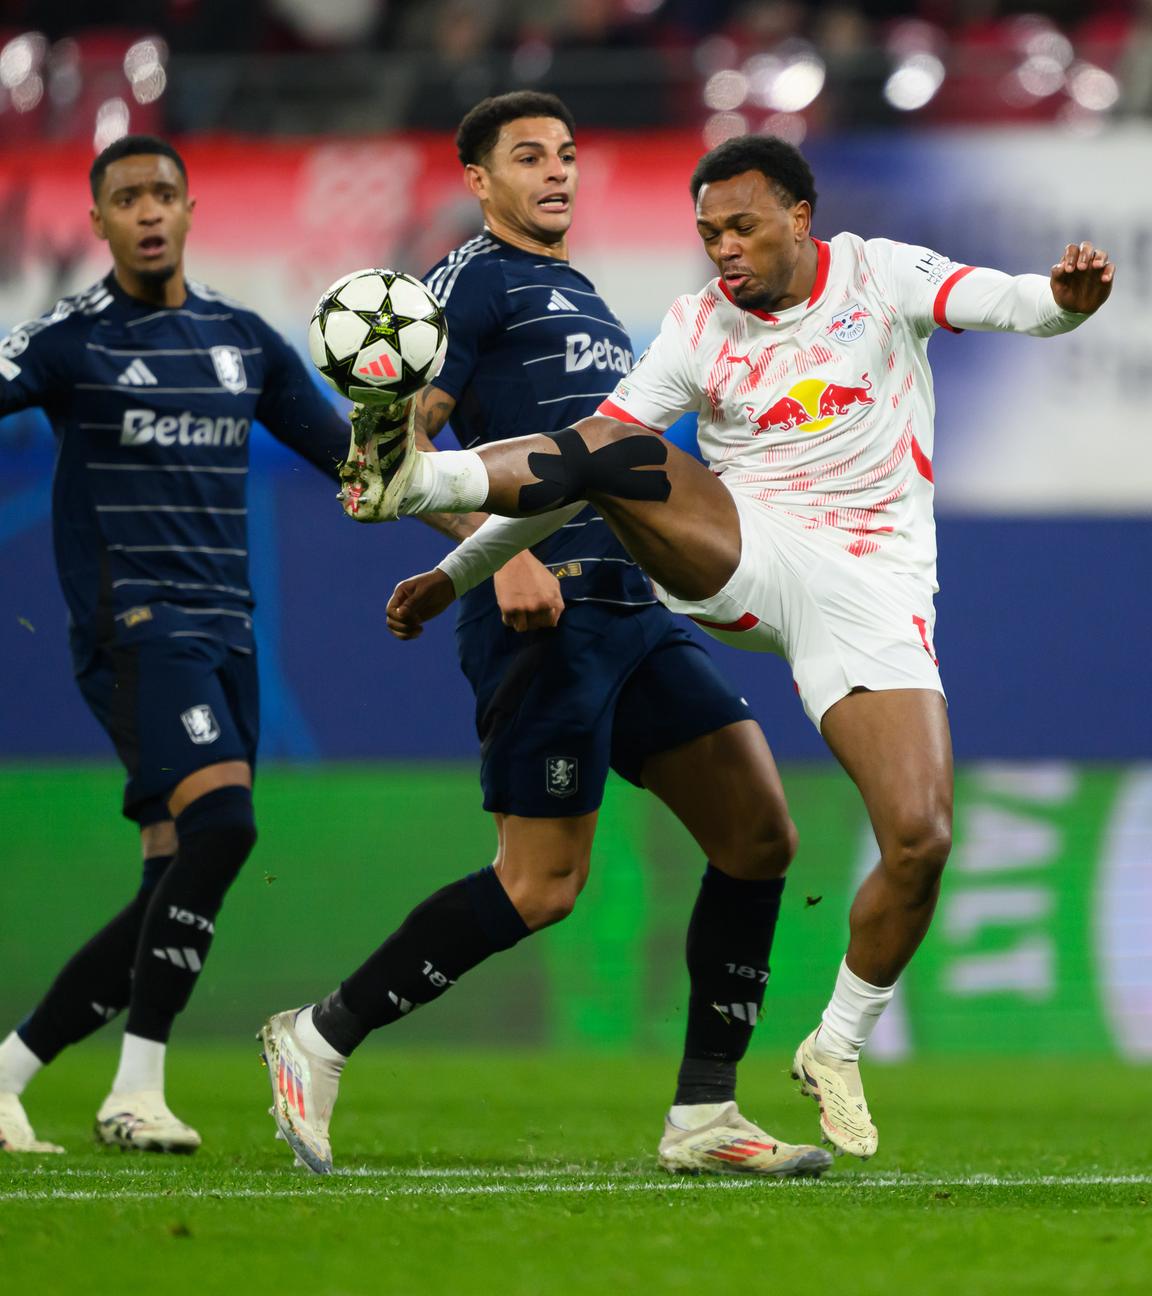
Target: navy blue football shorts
[(556, 709), (171, 706)]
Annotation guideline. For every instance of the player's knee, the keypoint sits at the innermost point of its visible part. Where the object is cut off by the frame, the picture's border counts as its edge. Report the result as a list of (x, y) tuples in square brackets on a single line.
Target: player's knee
[(763, 848), (218, 830), (918, 852), (546, 897), (598, 459)]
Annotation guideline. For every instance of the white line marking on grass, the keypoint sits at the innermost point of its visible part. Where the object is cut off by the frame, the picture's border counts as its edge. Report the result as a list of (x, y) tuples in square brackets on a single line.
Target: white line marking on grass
[(548, 1183)]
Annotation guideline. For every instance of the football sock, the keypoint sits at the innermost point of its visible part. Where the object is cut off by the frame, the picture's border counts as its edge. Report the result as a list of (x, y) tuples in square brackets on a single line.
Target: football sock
[(313, 1041), (96, 982), (216, 833), (695, 1116), (451, 932), (729, 941), (18, 1064), (851, 1015), (448, 481), (141, 1066)]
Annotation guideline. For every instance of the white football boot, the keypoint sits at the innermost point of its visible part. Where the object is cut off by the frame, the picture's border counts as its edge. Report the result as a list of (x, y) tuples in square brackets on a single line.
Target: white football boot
[(835, 1084), (304, 1091), (142, 1121), (16, 1133), (729, 1144), (381, 461)]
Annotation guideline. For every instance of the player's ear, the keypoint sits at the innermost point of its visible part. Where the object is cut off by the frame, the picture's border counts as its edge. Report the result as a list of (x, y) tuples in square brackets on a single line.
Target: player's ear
[(476, 178), (802, 219), (97, 222)]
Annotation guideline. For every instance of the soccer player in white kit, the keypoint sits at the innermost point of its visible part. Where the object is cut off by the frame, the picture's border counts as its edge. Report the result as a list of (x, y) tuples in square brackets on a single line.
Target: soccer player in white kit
[(812, 534)]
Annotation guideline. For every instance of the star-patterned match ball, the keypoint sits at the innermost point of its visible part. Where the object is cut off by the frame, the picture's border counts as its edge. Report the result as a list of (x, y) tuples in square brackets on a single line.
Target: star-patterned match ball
[(378, 336)]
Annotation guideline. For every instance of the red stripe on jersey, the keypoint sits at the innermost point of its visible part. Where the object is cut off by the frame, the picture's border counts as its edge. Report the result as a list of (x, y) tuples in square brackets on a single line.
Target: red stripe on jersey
[(823, 264), (746, 622), (611, 410), (938, 306), (922, 462), (703, 314)]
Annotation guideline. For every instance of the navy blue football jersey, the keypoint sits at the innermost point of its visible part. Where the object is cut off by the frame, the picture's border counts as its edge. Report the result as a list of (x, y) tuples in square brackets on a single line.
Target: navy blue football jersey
[(533, 347), (152, 411)]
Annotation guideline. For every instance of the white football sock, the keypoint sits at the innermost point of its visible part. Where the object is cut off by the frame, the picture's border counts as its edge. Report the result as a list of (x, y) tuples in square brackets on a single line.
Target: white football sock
[(851, 1015), (693, 1116), (141, 1066), (18, 1064), (448, 481), (313, 1041)]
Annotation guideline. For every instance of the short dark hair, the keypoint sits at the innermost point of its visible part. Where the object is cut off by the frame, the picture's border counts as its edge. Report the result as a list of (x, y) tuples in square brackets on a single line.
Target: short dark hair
[(774, 158), (481, 126), (130, 146)]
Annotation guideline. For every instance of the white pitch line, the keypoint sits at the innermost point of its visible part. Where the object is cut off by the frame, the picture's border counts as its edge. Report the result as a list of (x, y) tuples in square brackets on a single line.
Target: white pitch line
[(587, 1185)]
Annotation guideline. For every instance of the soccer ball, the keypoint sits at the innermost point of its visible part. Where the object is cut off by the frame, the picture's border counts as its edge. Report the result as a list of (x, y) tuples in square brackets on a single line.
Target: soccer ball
[(378, 336)]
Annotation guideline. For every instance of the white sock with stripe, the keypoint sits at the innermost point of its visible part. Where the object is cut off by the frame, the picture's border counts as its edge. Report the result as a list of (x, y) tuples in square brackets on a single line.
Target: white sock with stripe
[(447, 481), (141, 1066), (851, 1015)]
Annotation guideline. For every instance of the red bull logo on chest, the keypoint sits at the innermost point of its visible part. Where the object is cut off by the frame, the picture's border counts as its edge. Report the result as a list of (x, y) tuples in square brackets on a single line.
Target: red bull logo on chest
[(811, 406)]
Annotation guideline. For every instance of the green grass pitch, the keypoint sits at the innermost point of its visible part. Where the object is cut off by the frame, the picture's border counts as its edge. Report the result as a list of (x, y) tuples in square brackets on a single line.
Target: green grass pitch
[(466, 1172)]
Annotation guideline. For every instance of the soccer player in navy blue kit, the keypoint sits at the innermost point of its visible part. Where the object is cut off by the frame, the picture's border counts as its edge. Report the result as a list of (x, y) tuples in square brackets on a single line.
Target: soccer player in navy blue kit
[(576, 668), (152, 384)]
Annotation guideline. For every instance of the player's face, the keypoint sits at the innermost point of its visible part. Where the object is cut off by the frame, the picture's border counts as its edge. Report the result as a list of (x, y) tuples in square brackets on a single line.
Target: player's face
[(144, 212), (527, 184), (754, 240)]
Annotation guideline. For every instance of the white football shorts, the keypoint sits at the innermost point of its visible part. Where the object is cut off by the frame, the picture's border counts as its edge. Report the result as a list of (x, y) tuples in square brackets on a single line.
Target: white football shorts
[(841, 622)]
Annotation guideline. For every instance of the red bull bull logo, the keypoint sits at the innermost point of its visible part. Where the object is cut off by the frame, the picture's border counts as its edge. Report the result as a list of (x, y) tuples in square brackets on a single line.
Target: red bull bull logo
[(811, 406)]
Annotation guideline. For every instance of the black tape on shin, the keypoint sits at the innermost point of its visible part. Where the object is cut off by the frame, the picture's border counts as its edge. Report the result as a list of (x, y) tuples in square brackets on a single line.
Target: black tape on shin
[(576, 472)]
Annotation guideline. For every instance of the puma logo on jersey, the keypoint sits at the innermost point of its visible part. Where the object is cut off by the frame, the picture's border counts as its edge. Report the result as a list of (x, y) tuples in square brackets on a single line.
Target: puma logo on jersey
[(582, 353), (558, 302), (137, 375)]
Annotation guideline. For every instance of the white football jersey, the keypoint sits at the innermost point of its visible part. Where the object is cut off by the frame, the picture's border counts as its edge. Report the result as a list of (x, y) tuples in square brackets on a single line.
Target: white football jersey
[(824, 412)]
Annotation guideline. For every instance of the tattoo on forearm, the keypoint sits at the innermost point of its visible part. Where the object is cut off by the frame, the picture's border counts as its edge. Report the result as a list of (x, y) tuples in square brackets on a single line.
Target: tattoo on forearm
[(433, 410)]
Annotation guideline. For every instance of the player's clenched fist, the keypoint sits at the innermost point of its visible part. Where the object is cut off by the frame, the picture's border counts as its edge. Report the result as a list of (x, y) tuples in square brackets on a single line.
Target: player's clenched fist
[(416, 600), (1082, 279)]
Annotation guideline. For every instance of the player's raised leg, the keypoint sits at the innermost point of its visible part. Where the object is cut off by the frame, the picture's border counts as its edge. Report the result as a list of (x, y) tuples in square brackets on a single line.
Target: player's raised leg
[(748, 847), (539, 871), (215, 832), (674, 516), (896, 746)]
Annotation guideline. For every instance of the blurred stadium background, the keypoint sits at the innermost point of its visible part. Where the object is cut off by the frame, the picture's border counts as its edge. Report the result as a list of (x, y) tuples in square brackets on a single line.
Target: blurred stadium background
[(318, 135)]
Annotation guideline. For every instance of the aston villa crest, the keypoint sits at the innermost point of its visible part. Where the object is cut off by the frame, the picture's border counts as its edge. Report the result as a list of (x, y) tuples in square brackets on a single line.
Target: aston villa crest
[(229, 364), (562, 776)]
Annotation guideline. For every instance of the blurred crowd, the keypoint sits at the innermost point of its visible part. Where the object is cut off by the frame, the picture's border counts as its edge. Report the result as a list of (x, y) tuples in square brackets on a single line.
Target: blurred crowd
[(727, 65)]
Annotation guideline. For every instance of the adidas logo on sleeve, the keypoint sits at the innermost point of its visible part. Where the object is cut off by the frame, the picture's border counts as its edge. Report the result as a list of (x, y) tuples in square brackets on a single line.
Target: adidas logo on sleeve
[(137, 375), (558, 302)]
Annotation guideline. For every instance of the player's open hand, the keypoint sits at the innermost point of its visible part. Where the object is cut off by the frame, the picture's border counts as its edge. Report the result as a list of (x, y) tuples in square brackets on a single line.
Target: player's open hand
[(1082, 279), (528, 594), (416, 600)]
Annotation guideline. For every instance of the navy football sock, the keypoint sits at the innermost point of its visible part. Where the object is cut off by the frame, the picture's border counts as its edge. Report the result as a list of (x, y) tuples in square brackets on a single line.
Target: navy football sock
[(95, 983), (729, 941), (215, 835), (452, 931)]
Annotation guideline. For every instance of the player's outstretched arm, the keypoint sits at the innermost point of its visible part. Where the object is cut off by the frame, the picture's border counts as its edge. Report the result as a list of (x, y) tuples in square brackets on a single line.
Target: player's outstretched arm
[(527, 593), (1082, 279)]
